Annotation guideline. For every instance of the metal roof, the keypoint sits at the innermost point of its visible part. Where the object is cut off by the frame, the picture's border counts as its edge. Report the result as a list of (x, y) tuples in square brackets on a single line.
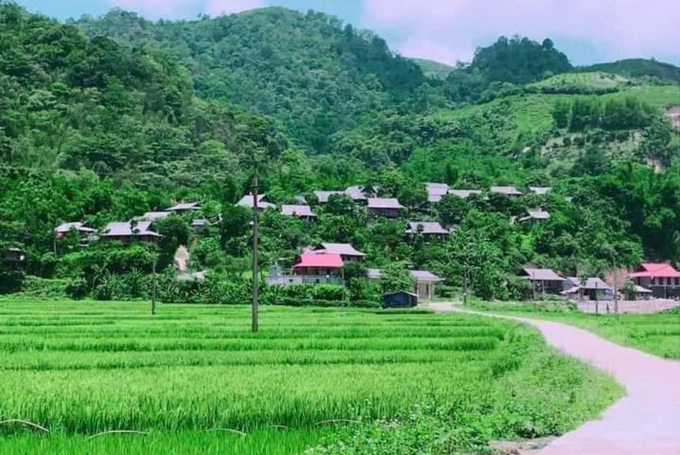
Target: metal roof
[(344, 249), (356, 193), (540, 190), (425, 227), (249, 201), (198, 222), (535, 215), (384, 203), (78, 226), (542, 274), (185, 206), (319, 260), (323, 196), (297, 210), (373, 274), (423, 275), (124, 229), (507, 190), (651, 270), (595, 283)]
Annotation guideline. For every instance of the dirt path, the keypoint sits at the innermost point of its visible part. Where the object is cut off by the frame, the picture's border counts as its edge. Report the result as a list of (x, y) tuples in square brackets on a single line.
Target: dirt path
[(645, 422)]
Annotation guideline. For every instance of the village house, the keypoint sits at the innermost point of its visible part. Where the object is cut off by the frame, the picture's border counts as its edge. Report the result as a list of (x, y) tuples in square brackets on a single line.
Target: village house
[(199, 224), (662, 279), (373, 274), (593, 289), (532, 217), (357, 194), (85, 233), (540, 190), (424, 283), (428, 229), (509, 191), (346, 251), (435, 191), (184, 207), (263, 204), (318, 267), (544, 280), (130, 231), (385, 207), (301, 211), (464, 194), (323, 196)]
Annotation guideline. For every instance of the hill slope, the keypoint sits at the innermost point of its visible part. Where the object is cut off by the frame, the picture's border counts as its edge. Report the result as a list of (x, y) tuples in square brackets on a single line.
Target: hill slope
[(638, 67), (310, 72)]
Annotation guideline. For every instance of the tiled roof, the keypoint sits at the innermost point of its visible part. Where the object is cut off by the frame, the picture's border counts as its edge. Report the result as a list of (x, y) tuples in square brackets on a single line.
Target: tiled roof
[(507, 190), (540, 190), (651, 270), (426, 227), (323, 196), (423, 275), (384, 203), (344, 249), (249, 201), (297, 210), (184, 206), (319, 260), (542, 274), (66, 227), (373, 274), (124, 229), (595, 283), (356, 193)]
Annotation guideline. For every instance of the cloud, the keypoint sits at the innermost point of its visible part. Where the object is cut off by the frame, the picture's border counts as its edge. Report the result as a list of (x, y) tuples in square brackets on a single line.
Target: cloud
[(184, 8), (617, 28)]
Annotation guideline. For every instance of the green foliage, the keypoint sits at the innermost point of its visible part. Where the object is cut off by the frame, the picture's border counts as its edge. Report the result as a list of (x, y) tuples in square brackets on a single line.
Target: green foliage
[(519, 60), (639, 67)]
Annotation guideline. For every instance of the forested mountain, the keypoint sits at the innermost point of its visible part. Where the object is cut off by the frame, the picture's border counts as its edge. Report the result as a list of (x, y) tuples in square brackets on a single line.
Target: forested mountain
[(105, 119), (313, 74), (638, 67)]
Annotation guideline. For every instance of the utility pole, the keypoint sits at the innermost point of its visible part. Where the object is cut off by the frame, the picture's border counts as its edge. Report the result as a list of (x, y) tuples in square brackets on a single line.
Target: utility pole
[(255, 273), (153, 293)]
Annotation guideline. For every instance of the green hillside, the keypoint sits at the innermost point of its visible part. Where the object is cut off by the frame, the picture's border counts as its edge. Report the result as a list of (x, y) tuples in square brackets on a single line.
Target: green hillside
[(311, 72), (638, 67), (105, 128), (433, 69)]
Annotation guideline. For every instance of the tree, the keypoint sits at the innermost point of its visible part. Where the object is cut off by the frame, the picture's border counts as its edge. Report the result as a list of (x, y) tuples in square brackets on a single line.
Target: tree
[(395, 278)]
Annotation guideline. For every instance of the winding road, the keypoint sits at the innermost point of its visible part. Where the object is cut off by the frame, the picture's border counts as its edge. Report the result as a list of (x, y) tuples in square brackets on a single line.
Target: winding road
[(645, 422)]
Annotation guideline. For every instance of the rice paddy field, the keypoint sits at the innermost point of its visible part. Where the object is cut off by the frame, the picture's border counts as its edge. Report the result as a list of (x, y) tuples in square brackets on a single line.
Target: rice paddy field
[(193, 379)]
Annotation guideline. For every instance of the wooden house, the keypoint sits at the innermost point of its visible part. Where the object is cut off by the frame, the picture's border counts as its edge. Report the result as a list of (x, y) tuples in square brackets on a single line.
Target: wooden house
[(129, 232), (385, 207), (545, 280)]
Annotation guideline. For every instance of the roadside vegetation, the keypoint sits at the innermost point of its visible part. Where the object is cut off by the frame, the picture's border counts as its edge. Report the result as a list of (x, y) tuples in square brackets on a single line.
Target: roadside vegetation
[(658, 334), (81, 368)]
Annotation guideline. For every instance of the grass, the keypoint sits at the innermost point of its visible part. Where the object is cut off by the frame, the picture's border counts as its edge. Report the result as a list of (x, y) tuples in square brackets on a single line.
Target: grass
[(657, 334), (81, 368)]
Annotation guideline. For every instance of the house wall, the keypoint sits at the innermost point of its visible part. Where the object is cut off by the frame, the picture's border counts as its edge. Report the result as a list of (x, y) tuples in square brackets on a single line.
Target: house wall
[(387, 213), (425, 289)]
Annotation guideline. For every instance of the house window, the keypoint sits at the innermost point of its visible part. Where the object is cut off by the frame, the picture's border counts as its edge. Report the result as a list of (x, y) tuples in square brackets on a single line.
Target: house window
[(652, 281), (677, 281), (669, 281)]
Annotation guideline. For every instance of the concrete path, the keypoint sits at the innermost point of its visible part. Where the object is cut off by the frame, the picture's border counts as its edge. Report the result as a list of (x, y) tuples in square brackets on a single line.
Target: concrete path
[(645, 422)]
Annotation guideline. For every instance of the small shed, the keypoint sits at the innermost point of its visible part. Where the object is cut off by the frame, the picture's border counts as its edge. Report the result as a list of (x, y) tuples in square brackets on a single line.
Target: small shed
[(400, 299), (424, 283)]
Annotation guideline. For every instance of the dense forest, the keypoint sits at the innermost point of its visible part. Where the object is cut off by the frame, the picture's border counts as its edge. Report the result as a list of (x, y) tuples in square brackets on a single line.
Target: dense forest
[(104, 119)]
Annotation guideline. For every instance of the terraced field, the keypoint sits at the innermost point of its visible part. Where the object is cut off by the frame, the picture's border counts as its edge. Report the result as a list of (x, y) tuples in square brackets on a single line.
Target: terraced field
[(195, 373)]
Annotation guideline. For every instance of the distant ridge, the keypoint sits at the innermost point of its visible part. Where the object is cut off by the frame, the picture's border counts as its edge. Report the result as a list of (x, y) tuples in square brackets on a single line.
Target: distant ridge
[(637, 67)]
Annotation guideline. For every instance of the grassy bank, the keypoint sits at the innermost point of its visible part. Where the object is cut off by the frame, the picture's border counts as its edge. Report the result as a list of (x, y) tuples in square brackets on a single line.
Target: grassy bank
[(658, 334), (80, 368)]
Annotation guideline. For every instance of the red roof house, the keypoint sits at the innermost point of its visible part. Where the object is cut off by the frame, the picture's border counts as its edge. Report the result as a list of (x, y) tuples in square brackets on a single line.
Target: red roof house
[(318, 264), (663, 279)]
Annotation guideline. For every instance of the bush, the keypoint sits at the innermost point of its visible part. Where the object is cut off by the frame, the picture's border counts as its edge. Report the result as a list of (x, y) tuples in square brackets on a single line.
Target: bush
[(37, 287)]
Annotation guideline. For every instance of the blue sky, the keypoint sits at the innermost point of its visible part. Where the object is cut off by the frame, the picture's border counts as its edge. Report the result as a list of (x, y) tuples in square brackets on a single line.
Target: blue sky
[(588, 31)]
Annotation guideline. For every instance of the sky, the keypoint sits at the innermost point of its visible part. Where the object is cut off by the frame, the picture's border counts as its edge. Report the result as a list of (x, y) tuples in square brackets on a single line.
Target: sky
[(588, 31)]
